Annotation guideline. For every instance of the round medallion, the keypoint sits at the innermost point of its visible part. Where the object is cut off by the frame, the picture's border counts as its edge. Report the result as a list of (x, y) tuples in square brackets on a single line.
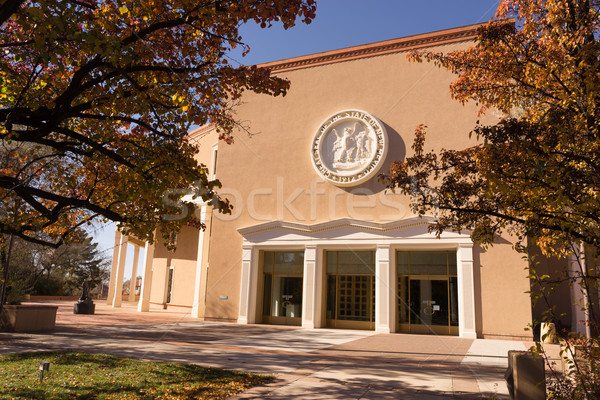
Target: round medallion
[(349, 147)]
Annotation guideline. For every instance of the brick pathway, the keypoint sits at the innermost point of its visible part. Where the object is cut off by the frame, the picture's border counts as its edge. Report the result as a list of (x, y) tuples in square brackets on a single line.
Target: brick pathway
[(308, 364)]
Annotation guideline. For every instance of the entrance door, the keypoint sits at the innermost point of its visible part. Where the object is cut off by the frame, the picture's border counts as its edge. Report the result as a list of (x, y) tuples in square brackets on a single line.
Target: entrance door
[(429, 306), (282, 294), (427, 293), (350, 289)]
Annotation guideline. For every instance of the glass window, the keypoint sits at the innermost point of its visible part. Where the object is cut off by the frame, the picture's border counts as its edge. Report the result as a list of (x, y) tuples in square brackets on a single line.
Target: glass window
[(355, 262), (280, 262), (268, 262), (267, 294), (403, 305), (331, 257), (402, 263), (451, 263), (453, 283), (426, 262)]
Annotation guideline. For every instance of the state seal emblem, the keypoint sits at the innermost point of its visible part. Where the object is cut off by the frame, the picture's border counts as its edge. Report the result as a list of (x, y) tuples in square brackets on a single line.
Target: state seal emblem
[(349, 147)]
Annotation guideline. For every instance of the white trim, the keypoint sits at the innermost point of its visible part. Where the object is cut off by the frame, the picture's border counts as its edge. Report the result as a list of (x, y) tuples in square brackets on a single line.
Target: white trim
[(132, 282), (343, 234), (248, 289), (214, 160), (311, 286), (118, 292), (337, 224), (385, 289), (113, 268), (144, 303), (196, 308), (466, 292)]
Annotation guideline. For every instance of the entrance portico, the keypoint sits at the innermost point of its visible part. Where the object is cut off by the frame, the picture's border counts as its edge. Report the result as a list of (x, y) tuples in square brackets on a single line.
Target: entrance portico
[(348, 236)]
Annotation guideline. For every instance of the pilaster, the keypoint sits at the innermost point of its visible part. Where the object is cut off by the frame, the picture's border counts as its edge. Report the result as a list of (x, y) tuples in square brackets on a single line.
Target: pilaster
[(466, 291), (144, 303)]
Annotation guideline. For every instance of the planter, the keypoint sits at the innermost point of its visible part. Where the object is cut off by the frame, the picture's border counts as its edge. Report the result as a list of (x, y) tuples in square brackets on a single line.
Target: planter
[(28, 318)]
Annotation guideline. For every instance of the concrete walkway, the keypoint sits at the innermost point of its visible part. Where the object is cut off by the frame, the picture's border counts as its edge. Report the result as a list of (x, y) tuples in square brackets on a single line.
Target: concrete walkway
[(308, 364)]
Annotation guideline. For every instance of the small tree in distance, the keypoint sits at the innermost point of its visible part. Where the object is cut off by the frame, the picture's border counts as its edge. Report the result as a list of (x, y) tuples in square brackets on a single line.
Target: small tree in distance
[(42, 270)]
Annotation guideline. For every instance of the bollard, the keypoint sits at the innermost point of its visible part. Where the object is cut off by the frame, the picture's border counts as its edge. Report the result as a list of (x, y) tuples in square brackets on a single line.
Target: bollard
[(44, 366), (525, 376)]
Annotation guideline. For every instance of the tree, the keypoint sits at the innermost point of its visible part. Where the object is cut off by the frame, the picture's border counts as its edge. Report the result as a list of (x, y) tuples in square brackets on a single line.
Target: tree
[(42, 270), (96, 98), (538, 170), (536, 173)]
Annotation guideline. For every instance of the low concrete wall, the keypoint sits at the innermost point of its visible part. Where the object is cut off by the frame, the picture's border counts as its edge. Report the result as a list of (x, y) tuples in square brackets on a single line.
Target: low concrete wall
[(28, 318), (32, 298)]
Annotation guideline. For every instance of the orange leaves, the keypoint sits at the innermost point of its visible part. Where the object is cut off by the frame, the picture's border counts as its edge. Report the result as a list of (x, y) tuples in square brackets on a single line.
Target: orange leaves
[(536, 171), (105, 93)]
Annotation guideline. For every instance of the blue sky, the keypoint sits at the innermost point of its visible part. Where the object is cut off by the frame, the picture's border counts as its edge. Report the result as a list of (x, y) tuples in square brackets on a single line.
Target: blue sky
[(343, 23)]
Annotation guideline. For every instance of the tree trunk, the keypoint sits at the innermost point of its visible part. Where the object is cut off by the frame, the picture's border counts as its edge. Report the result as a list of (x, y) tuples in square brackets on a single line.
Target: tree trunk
[(5, 259)]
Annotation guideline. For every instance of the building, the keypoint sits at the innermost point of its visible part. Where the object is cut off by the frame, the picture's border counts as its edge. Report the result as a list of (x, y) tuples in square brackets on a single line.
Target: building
[(314, 239)]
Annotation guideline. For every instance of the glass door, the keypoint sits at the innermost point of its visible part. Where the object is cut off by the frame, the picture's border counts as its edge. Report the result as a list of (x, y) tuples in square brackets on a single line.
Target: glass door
[(282, 292), (427, 292), (350, 289)]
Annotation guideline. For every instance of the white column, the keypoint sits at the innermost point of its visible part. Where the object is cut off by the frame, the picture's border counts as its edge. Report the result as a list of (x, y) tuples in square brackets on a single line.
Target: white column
[(113, 268), (466, 291), (198, 306), (576, 265), (247, 312), (144, 303), (120, 271), (136, 260), (312, 288), (385, 294)]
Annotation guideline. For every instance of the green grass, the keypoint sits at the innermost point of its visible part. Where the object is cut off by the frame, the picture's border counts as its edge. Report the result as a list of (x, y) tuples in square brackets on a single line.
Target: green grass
[(101, 376)]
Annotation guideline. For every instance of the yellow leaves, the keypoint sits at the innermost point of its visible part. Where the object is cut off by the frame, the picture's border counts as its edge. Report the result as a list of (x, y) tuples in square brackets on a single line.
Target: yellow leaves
[(165, 97)]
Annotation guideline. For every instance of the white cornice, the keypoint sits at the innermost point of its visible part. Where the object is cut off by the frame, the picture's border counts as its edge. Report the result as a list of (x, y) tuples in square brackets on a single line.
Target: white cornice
[(357, 224)]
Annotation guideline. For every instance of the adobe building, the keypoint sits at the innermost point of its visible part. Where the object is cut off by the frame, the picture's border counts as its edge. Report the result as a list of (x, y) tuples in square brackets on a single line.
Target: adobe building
[(314, 239)]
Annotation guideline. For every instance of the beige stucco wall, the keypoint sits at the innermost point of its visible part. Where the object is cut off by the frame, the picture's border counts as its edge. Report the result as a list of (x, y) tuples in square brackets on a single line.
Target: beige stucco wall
[(183, 261), (505, 307), (269, 175)]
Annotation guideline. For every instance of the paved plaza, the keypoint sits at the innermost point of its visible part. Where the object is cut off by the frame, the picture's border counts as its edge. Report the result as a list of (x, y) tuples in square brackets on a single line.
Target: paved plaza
[(307, 364)]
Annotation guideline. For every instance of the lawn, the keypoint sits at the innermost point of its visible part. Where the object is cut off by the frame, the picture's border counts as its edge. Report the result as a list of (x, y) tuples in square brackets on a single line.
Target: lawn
[(100, 376)]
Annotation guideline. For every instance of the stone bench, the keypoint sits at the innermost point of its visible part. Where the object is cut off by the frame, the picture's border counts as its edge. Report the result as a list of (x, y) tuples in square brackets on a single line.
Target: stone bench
[(28, 317)]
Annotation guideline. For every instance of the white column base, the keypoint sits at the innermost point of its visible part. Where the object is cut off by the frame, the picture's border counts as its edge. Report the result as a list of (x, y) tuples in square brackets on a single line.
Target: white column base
[(466, 292), (118, 294), (247, 312), (311, 289), (144, 303), (385, 293)]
